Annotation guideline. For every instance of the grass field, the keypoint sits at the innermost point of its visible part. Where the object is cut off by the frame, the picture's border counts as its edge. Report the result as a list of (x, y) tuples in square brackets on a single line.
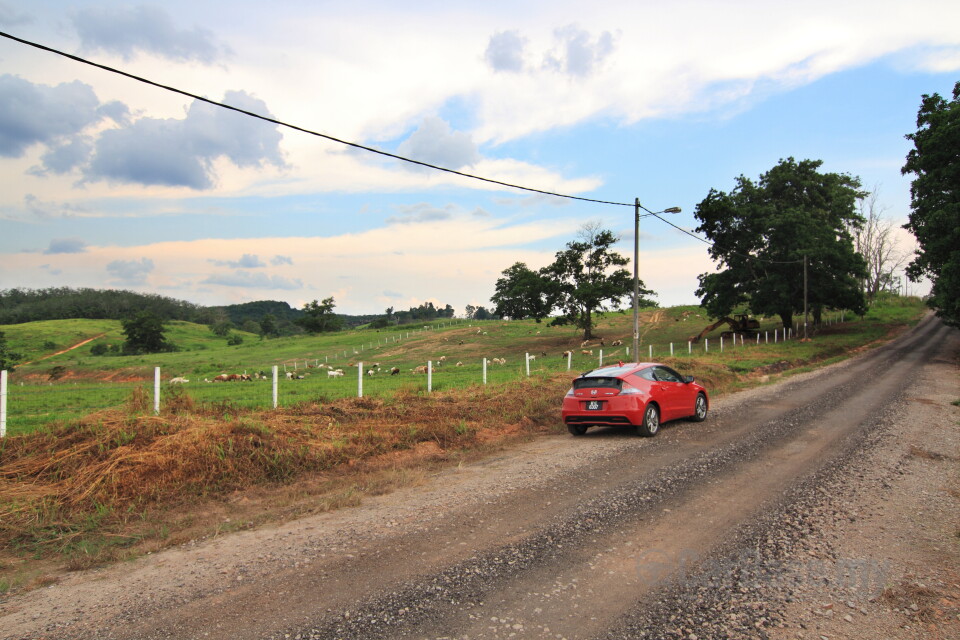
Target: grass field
[(57, 387)]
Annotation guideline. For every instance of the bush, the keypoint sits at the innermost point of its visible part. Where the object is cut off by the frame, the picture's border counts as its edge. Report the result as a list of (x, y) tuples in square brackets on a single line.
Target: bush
[(235, 339), (99, 349)]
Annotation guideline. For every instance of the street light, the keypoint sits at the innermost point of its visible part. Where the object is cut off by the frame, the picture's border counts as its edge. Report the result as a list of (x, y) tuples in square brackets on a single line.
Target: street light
[(636, 274)]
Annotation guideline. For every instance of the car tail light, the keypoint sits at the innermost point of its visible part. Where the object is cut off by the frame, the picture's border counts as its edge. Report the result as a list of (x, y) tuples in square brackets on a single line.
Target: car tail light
[(630, 391)]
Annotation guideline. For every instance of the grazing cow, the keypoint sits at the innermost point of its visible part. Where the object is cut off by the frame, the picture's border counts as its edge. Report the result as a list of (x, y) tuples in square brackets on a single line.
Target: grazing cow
[(370, 372), (421, 369), (587, 352), (459, 364), (178, 380), (585, 343), (566, 354), (228, 377), (395, 371), (335, 373), (616, 343)]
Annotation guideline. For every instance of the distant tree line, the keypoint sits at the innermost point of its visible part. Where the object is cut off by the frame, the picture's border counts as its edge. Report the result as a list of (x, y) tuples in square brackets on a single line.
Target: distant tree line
[(61, 303)]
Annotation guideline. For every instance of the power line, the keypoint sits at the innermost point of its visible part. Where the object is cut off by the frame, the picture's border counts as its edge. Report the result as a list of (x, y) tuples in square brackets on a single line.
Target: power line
[(302, 129), (355, 145)]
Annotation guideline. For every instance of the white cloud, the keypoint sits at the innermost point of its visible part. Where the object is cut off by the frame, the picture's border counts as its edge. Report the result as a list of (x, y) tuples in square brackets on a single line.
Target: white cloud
[(505, 51), (130, 272), (435, 143), (126, 30)]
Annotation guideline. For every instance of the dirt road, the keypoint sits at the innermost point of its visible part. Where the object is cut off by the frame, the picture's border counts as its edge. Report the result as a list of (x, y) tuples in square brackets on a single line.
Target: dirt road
[(822, 506)]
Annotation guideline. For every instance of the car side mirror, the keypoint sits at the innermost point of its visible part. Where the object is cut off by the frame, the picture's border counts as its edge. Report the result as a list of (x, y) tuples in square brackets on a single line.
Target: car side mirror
[(688, 379)]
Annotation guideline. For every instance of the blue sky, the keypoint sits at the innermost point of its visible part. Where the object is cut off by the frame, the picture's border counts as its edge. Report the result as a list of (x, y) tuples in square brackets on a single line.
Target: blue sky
[(106, 182)]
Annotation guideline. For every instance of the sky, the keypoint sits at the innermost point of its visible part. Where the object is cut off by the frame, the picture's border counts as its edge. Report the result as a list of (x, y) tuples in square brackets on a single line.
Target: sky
[(107, 182)]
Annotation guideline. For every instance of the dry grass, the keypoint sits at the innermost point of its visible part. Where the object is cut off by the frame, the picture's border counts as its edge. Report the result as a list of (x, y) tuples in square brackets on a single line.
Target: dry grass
[(111, 467)]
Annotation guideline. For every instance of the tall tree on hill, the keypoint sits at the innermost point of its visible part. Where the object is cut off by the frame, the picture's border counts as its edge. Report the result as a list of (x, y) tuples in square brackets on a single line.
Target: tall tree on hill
[(762, 231), (935, 200), (144, 333), (524, 293), (586, 279), (318, 317)]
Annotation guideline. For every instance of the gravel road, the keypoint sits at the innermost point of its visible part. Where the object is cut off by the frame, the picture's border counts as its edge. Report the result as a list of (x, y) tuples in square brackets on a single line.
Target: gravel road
[(823, 506)]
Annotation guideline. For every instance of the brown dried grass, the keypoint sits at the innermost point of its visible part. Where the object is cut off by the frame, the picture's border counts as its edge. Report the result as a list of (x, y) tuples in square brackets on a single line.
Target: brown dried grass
[(122, 461)]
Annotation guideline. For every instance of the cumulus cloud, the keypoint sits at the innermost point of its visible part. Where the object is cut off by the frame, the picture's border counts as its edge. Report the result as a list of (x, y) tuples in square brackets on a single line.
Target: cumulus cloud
[(505, 51), (254, 280), (38, 114), (180, 152), (125, 31), (577, 54), (246, 261), (436, 143), (420, 213), (131, 272), (63, 157), (279, 260), (66, 245)]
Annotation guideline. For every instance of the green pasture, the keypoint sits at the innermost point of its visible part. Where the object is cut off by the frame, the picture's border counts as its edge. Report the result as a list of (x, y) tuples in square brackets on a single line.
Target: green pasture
[(76, 383)]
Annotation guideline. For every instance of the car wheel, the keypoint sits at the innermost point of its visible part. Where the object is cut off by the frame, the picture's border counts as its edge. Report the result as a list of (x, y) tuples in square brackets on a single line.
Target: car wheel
[(699, 408), (651, 422), (577, 429)]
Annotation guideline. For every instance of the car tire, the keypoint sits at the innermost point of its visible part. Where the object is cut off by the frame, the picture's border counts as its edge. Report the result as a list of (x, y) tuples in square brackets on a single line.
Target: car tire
[(577, 429), (699, 408), (651, 422)]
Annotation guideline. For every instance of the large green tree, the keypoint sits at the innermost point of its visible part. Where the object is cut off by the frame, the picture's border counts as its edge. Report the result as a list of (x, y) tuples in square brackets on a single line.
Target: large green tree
[(935, 201), (524, 293), (761, 232), (587, 279), (144, 333), (318, 317)]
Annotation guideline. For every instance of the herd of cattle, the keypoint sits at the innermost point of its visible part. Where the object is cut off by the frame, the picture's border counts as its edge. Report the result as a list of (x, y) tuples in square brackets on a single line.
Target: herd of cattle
[(373, 370)]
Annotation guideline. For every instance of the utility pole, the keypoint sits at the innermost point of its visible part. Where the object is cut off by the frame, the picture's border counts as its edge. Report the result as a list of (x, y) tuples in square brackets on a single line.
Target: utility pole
[(804, 296), (636, 281)]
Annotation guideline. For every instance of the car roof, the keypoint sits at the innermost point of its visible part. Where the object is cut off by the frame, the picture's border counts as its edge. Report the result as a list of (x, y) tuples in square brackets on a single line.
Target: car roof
[(619, 369)]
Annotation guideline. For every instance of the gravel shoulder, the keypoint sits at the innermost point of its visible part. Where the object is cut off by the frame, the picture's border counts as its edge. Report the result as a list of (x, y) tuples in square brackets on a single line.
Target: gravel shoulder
[(866, 546)]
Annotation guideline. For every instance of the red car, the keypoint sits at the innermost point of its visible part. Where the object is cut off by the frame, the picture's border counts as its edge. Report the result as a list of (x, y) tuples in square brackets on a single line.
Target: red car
[(642, 395)]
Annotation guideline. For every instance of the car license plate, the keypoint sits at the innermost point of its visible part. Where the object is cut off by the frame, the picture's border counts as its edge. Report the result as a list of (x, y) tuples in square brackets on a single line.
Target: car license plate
[(594, 405)]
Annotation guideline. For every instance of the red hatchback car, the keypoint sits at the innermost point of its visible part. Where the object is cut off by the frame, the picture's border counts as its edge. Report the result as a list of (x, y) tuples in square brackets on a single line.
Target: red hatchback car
[(642, 395)]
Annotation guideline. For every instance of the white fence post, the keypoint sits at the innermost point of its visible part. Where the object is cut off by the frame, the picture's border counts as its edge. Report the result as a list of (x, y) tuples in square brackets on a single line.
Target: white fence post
[(3, 403), (429, 376), (359, 379), (569, 358), (275, 377), (706, 345), (671, 349), (484, 371), (721, 344), (600, 364), (650, 351), (156, 391), (689, 347), (526, 358)]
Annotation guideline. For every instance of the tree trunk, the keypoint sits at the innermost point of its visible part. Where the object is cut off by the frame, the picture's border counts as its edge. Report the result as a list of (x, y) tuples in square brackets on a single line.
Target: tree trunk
[(587, 325), (786, 317)]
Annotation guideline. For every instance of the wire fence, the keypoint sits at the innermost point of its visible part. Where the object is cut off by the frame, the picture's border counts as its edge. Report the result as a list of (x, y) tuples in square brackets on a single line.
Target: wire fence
[(25, 407)]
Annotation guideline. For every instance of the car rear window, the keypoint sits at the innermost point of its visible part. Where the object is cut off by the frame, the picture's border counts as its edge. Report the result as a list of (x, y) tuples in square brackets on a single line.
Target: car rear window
[(598, 383)]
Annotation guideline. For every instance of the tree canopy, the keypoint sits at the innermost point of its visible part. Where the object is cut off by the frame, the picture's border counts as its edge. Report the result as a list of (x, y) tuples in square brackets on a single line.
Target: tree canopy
[(585, 279), (144, 333), (762, 231), (8, 358), (318, 317), (935, 201), (523, 293)]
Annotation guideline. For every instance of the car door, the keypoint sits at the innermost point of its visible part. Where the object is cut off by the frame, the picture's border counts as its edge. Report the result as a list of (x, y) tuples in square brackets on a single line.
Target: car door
[(672, 391)]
